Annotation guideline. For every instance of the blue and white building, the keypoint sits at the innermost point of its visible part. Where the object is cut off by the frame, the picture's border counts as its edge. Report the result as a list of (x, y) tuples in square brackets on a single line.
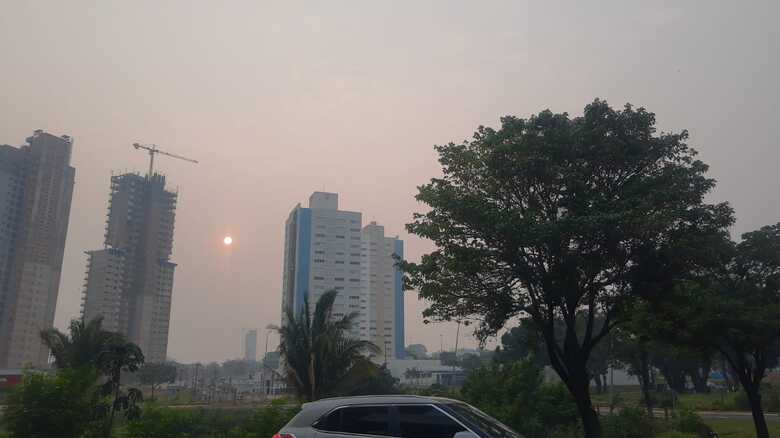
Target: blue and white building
[(327, 248)]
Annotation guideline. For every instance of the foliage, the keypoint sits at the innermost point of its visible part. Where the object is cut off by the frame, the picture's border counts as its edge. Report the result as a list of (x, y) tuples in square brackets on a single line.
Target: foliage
[(160, 422), (552, 216), (155, 374), (267, 421), (237, 368), (117, 357), (733, 309), (687, 421), (676, 434), (515, 394), (367, 378), (61, 405), (629, 423), (80, 347), (318, 352)]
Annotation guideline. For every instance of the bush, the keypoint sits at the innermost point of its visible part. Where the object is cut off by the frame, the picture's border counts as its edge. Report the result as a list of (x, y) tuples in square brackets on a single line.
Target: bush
[(676, 434), (159, 422), (61, 405), (515, 394), (267, 421), (689, 422), (629, 423)]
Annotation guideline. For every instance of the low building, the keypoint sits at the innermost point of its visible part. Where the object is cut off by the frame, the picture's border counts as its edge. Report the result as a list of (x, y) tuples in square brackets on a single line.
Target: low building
[(424, 373)]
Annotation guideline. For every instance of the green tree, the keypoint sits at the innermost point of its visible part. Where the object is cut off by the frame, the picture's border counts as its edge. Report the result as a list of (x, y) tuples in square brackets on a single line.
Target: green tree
[(80, 347), (367, 378), (317, 350), (734, 311), (120, 356), (236, 368), (552, 217), (155, 374), (61, 405)]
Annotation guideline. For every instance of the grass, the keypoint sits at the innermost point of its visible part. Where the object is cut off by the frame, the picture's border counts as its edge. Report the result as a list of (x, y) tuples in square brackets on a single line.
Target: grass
[(715, 401), (737, 428)]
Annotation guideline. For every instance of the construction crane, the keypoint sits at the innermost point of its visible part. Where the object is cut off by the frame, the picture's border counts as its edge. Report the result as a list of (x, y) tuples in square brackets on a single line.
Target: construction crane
[(152, 149)]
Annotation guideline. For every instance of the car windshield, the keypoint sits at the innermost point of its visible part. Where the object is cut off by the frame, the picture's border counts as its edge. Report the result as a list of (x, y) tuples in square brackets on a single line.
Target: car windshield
[(485, 422)]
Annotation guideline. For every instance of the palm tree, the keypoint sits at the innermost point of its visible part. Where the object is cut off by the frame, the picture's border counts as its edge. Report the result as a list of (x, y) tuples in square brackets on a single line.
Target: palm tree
[(80, 347), (317, 350)]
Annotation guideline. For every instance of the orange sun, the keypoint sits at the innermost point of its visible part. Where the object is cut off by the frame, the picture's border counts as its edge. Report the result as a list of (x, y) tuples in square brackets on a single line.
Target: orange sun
[(227, 240)]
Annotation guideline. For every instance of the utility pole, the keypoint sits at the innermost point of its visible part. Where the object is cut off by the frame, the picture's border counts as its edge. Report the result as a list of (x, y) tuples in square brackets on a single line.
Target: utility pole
[(457, 337)]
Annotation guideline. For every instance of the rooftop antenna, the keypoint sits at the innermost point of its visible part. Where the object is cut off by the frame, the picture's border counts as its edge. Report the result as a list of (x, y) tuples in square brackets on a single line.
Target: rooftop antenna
[(152, 149)]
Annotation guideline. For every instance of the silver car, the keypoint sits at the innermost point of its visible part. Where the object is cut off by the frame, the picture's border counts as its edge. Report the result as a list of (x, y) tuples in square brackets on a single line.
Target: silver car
[(404, 416)]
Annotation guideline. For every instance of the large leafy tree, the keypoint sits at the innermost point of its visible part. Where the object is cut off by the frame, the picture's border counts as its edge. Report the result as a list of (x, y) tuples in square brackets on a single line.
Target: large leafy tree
[(155, 374), (81, 346), (734, 310), (552, 217), (317, 349)]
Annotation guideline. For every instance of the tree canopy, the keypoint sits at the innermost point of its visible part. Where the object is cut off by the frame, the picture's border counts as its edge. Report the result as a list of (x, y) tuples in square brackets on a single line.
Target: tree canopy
[(554, 216)]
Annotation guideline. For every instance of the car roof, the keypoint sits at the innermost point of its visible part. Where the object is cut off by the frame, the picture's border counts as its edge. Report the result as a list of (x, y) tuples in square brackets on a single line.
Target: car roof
[(312, 411), (329, 403)]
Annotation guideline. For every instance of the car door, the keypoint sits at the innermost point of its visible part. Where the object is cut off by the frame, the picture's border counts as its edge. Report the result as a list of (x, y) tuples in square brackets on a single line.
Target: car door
[(369, 421)]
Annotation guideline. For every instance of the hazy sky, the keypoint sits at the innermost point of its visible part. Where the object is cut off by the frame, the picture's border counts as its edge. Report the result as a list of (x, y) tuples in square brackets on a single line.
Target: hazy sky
[(278, 99)]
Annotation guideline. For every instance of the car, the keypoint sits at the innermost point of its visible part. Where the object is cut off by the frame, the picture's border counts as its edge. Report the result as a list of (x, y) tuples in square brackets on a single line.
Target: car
[(404, 416)]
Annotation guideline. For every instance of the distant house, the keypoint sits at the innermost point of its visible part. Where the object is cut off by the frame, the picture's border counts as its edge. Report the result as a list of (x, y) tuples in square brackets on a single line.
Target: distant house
[(424, 373), (10, 377)]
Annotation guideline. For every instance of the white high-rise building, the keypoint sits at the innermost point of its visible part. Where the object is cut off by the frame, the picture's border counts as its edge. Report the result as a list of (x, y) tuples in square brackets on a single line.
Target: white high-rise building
[(327, 248), (383, 287)]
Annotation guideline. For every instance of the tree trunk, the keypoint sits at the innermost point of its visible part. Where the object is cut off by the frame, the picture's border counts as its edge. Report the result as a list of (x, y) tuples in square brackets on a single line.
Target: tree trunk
[(644, 380), (599, 383), (590, 419), (699, 378), (754, 397)]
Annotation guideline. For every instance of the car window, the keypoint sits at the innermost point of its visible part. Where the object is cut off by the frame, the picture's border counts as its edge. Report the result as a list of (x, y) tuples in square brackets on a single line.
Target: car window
[(363, 420), (331, 422), (426, 421), (488, 424)]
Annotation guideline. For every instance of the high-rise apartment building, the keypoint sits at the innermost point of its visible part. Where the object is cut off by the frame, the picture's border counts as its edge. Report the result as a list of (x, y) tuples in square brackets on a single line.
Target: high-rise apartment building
[(327, 248), (36, 187), (382, 284), (250, 346), (130, 281)]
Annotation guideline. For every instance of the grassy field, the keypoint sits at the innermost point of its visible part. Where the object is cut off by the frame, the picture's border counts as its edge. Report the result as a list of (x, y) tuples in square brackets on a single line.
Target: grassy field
[(739, 428), (715, 401)]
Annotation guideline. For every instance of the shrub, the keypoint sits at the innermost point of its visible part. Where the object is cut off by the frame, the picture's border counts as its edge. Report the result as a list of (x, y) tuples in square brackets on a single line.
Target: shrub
[(159, 422), (689, 422), (629, 423), (676, 434), (267, 421), (61, 405), (515, 394)]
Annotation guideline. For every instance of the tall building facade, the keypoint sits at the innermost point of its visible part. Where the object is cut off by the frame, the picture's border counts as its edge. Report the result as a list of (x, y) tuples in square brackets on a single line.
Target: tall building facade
[(130, 281), (382, 284), (36, 188), (250, 346), (327, 248)]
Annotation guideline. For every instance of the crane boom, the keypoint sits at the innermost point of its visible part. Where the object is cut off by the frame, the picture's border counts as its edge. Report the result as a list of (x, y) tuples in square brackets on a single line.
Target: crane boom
[(152, 150)]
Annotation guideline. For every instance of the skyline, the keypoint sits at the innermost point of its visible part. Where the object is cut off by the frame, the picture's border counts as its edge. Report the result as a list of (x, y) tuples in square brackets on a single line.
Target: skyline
[(277, 100)]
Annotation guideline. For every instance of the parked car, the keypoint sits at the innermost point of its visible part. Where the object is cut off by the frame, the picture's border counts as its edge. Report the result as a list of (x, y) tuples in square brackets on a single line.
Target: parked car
[(405, 416)]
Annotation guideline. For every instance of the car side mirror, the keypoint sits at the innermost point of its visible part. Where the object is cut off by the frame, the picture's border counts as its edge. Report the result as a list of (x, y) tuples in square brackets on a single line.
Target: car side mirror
[(465, 434)]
